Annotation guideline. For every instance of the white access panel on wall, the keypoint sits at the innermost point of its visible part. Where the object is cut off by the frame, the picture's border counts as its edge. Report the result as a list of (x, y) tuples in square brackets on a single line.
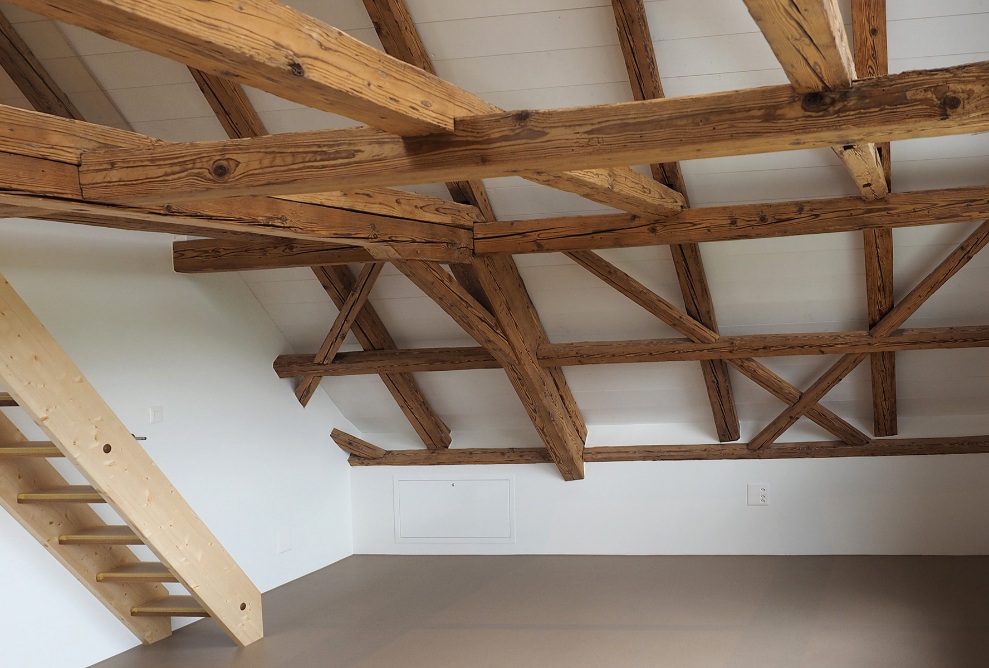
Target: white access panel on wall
[(461, 510)]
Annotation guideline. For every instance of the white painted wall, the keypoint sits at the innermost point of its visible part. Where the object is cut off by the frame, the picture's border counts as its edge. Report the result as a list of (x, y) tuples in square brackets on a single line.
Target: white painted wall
[(234, 442), (880, 505)]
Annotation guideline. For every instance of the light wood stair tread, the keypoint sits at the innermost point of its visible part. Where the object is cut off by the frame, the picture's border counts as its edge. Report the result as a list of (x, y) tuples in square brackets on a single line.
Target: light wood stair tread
[(144, 571), (170, 606), (106, 535), (30, 449), (66, 494), (6, 400)]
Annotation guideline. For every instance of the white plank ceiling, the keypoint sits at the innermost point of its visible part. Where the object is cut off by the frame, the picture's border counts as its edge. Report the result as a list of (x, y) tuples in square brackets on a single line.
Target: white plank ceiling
[(555, 53)]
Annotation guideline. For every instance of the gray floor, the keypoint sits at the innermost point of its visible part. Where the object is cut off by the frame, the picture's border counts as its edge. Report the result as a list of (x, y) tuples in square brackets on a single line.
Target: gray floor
[(610, 611)]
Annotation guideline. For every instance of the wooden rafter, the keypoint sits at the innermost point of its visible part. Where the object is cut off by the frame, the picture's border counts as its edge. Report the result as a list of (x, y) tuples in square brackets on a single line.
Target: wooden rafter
[(348, 313), (401, 39), (509, 338), (951, 445), (578, 353), (808, 38), (278, 49), (735, 221), (669, 314), (872, 59), (621, 188), (889, 323), (922, 103), (294, 56), (371, 333), (30, 75), (643, 73)]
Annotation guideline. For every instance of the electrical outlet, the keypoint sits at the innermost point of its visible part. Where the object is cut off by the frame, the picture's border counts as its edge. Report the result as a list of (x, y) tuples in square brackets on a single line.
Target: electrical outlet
[(156, 414), (284, 541), (758, 495)]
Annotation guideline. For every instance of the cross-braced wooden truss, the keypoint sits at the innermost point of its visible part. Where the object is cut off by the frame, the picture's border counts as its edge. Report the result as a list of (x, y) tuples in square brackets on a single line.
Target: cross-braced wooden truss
[(323, 200)]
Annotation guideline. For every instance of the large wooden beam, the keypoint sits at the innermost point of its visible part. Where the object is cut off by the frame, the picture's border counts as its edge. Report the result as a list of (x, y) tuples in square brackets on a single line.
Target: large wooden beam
[(240, 120), (506, 336), (51, 389), (278, 49), (872, 59), (912, 104), (669, 314), (889, 323), (371, 333), (737, 221), (635, 39), (950, 445), (211, 255), (808, 38), (621, 188), (415, 360)]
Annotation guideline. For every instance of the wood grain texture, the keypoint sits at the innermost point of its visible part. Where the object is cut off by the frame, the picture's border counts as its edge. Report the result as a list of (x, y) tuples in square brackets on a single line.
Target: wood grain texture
[(277, 49), (951, 445), (214, 255), (52, 191), (371, 333), (808, 38), (922, 103), (356, 446), (505, 335), (878, 251), (737, 221), (54, 393), (872, 59), (344, 320), (951, 265), (621, 188), (46, 522), (577, 353)]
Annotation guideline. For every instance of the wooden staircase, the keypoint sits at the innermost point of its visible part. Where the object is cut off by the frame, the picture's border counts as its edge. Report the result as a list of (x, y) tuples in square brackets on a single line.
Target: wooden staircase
[(45, 383)]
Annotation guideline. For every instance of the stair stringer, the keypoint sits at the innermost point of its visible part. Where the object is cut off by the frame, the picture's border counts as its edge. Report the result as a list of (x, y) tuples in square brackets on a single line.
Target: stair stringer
[(44, 381), (46, 522)]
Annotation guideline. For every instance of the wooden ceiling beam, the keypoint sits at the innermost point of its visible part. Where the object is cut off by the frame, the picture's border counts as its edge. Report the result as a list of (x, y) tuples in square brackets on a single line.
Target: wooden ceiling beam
[(213, 255), (240, 120), (370, 332), (621, 188), (922, 103), (635, 39), (736, 221), (872, 59), (279, 50), (889, 323), (672, 316), (808, 38), (578, 353), (950, 445), (342, 324), (511, 344)]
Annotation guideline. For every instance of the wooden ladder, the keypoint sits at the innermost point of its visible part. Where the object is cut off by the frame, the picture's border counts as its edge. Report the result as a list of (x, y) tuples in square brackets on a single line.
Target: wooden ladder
[(44, 382)]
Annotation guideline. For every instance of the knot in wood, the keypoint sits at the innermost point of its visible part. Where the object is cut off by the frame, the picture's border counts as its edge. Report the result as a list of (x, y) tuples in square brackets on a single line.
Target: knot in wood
[(522, 116), (296, 69), (948, 104), (816, 101), (221, 169)]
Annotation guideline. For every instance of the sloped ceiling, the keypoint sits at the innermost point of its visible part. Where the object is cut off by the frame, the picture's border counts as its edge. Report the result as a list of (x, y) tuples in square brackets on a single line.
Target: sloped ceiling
[(557, 53)]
